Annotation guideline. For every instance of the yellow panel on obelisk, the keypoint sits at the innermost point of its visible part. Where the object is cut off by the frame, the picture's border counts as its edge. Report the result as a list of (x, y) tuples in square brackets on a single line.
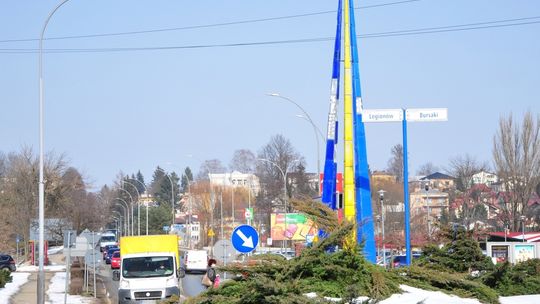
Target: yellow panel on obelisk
[(348, 142)]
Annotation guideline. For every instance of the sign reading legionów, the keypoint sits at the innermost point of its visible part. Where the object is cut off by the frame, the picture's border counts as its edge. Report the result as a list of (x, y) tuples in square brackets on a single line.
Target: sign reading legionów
[(382, 115), (435, 114)]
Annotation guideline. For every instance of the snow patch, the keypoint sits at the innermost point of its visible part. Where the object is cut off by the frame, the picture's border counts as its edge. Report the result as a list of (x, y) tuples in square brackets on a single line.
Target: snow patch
[(56, 291), (529, 299), (415, 295), (55, 250), (19, 278), (34, 268)]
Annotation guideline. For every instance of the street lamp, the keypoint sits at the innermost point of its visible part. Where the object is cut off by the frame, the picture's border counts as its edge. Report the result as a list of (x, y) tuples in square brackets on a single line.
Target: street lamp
[(138, 207), (126, 211), (426, 187), (131, 204), (522, 218), (381, 197), (308, 118), (147, 193), (284, 173), (41, 186)]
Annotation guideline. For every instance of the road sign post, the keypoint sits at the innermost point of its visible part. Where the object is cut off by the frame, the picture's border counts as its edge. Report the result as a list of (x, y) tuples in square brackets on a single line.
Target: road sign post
[(404, 115)]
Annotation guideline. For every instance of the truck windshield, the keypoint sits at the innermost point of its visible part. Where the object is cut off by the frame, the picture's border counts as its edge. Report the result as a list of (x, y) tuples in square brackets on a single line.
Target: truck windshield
[(147, 267), (108, 238)]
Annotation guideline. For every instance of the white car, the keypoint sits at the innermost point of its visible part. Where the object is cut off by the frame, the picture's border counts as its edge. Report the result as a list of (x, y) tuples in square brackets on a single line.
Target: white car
[(195, 260)]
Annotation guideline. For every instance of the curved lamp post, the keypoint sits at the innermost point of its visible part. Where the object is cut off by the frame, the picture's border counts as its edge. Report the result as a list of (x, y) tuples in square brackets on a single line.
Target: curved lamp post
[(138, 207), (41, 187), (131, 204), (308, 118), (127, 212), (147, 193), (284, 174)]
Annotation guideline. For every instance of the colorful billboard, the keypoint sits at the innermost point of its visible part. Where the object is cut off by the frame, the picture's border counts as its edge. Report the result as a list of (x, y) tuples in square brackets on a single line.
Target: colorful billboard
[(500, 253), (523, 253), (296, 227)]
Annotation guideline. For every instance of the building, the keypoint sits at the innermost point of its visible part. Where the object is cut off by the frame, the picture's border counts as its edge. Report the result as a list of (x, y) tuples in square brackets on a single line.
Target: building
[(485, 178), (236, 179), (436, 200), (439, 181)]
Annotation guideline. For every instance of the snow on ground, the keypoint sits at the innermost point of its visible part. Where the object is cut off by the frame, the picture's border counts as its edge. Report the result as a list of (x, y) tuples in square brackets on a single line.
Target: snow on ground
[(55, 250), (57, 289), (530, 299), (12, 288), (34, 268), (415, 295)]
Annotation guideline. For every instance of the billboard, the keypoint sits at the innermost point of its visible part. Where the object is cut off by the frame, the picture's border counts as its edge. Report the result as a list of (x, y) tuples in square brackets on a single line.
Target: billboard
[(296, 227), (500, 253), (523, 253)]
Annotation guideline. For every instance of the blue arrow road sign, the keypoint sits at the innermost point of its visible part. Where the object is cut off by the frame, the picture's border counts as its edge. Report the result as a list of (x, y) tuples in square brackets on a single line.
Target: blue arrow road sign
[(245, 238)]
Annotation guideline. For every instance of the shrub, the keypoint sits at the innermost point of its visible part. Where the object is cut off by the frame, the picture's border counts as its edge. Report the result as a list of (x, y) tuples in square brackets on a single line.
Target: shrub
[(5, 277), (510, 280)]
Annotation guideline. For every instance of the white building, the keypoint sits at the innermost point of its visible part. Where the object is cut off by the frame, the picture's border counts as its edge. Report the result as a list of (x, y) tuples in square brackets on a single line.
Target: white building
[(236, 179), (485, 178)]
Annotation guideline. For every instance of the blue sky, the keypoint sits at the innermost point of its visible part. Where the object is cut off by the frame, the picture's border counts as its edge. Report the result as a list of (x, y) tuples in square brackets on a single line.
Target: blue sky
[(112, 111)]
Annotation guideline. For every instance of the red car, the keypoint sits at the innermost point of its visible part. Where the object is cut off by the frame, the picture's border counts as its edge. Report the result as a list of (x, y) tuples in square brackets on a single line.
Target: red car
[(115, 260)]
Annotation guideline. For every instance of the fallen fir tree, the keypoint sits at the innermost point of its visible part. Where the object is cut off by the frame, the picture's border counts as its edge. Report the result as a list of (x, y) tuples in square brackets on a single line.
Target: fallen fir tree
[(341, 273)]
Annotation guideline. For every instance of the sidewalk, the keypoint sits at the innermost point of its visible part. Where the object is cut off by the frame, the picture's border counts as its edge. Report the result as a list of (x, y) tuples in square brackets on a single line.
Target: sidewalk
[(28, 292)]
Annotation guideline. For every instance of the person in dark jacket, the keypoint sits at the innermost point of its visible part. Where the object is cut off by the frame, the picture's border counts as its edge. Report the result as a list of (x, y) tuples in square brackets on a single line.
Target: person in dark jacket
[(211, 271)]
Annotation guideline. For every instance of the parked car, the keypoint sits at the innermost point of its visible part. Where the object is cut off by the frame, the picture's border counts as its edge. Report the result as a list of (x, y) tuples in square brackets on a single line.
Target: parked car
[(106, 250), (401, 260), (195, 260), (110, 253), (7, 262), (115, 260)]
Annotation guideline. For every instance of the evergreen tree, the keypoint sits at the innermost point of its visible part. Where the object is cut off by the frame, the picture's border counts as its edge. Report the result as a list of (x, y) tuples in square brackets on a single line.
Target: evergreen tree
[(187, 177), (461, 253), (140, 178)]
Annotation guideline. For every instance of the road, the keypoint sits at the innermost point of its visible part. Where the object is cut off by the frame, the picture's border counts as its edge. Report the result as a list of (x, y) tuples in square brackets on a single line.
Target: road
[(191, 284)]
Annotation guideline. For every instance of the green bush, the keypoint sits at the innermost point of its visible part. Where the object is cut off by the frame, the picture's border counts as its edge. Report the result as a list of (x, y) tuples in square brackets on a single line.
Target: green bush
[(511, 280), (5, 277), (454, 283)]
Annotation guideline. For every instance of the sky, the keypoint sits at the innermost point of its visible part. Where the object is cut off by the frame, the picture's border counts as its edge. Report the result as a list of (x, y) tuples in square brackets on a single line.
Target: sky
[(179, 92)]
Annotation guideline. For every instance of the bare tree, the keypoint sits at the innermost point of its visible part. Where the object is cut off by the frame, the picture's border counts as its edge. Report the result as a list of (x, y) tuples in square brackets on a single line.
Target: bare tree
[(516, 153), (463, 167), (395, 163), (427, 169), (278, 157), (243, 160), (211, 166)]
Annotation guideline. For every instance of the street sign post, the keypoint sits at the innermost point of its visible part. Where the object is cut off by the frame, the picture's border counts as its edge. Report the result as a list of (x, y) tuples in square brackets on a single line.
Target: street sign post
[(224, 251), (245, 238), (407, 115)]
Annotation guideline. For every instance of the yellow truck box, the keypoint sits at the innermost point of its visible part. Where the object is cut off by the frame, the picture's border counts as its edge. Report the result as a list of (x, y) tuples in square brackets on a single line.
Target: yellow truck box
[(149, 243)]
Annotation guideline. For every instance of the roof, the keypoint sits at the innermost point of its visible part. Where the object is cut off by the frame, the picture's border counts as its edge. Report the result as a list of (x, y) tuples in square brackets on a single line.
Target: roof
[(437, 175), (517, 236)]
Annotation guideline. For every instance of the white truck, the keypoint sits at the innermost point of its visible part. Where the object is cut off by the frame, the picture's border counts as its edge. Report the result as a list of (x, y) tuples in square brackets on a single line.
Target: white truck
[(107, 238), (149, 268)]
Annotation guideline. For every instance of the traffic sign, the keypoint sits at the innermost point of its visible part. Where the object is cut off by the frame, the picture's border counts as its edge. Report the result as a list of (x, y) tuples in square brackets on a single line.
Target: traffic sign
[(382, 115), (248, 213), (92, 257), (245, 238), (211, 232), (434, 114), (224, 251)]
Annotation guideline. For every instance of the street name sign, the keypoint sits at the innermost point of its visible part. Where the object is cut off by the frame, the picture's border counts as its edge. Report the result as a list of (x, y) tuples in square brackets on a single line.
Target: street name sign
[(426, 115), (382, 115), (245, 238)]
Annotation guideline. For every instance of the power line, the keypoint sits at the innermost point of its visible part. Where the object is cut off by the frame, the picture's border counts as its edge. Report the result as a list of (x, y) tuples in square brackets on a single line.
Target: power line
[(431, 30), (191, 27)]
